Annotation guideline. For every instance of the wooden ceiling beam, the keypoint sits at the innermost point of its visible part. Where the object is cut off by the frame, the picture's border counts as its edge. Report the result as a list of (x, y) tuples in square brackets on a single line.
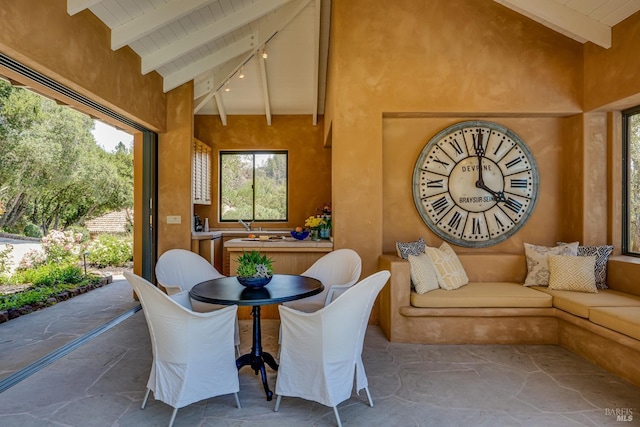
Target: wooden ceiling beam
[(76, 6), (209, 33), (563, 19), (150, 22), (218, 58)]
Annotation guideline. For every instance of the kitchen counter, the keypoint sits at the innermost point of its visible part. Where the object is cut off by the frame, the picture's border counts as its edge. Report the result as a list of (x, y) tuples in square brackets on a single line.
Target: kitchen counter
[(212, 234), (288, 242), (205, 235)]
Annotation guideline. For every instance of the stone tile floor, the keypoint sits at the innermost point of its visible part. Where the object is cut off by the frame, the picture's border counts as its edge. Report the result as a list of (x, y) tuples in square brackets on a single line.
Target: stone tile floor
[(102, 384)]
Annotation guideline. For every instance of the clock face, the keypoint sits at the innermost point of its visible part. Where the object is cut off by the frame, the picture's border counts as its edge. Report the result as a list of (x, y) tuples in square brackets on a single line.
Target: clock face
[(475, 183)]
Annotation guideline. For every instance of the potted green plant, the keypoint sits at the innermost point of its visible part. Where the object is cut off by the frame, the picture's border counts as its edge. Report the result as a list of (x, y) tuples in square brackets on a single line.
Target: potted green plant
[(254, 269)]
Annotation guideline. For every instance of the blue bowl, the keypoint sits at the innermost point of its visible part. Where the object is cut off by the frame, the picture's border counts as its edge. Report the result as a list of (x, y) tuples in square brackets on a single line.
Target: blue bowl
[(254, 282), (300, 235)]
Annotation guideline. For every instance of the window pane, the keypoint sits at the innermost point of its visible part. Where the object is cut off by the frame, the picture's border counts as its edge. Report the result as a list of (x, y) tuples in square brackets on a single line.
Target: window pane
[(253, 186), (236, 181), (633, 184), (271, 187)]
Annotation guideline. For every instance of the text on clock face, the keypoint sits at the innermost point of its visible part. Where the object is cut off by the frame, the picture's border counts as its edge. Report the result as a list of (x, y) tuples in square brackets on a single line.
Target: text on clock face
[(482, 199), (475, 168)]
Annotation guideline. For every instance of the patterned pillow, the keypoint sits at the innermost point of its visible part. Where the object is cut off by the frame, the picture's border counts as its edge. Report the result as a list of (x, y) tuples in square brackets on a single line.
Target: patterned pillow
[(449, 270), (410, 248), (572, 273), (602, 256), (538, 264), (423, 275)]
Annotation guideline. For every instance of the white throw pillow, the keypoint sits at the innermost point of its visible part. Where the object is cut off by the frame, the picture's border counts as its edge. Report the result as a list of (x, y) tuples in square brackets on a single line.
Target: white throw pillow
[(538, 261), (451, 274), (572, 273), (423, 275)]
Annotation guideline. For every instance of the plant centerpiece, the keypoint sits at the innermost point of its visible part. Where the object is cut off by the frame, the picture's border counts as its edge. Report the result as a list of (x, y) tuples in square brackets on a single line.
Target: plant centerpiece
[(314, 223), (254, 269)]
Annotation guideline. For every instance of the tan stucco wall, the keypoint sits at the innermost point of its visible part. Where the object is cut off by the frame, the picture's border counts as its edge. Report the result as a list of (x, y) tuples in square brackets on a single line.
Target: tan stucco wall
[(309, 162), (439, 62), (611, 78), (174, 171)]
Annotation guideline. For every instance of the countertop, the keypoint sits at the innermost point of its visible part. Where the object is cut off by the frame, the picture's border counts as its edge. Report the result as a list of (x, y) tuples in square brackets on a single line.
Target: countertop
[(213, 234), (287, 242)]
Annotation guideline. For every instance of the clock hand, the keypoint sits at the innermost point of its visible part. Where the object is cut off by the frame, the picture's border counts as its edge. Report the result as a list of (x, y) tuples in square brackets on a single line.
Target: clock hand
[(497, 195)]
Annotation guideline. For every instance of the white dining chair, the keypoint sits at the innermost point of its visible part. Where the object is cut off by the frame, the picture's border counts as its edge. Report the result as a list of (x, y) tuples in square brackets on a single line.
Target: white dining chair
[(193, 353), (180, 270), (321, 352), (337, 270)]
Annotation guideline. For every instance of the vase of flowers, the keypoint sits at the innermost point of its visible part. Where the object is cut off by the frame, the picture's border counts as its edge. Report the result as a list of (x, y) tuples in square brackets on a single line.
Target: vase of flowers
[(254, 269), (314, 223)]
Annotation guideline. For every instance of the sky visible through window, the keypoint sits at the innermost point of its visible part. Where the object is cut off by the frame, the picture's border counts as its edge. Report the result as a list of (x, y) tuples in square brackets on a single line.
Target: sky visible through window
[(108, 136)]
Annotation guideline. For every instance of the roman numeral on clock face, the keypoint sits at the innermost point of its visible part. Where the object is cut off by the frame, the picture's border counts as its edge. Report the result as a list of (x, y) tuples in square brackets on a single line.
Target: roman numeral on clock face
[(456, 146), (435, 183), (477, 144), (440, 205), (513, 162), (518, 183), (513, 204), (475, 226), (454, 221), (443, 163)]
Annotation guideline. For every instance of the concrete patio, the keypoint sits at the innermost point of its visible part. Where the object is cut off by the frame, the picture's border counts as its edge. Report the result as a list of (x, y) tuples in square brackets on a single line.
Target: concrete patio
[(102, 382)]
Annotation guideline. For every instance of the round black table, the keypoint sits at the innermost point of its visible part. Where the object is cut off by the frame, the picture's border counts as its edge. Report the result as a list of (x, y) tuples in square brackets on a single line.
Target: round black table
[(282, 288)]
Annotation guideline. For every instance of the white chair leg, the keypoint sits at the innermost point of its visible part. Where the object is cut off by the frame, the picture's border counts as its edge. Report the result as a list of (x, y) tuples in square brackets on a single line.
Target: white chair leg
[(277, 403), (366, 389), (173, 417), (237, 400), (146, 396), (335, 411)]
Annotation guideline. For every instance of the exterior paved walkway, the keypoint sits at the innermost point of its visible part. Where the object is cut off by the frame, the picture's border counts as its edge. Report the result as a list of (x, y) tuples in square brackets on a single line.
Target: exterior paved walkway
[(28, 338)]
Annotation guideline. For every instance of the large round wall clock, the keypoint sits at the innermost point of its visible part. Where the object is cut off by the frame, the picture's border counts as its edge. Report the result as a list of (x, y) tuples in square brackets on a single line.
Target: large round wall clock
[(475, 183)]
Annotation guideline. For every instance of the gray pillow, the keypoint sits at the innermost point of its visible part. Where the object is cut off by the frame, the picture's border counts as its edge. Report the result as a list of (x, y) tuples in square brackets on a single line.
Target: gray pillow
[(602, 256), (410, 248)]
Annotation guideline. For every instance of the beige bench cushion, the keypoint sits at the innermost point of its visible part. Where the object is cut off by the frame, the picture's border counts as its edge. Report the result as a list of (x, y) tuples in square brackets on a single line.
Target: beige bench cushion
[(579, 303), (625, 320), (483, 294)]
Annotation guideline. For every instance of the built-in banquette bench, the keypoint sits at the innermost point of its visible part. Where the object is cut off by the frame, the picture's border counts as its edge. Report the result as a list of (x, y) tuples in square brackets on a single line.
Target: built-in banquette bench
[(495, 308)]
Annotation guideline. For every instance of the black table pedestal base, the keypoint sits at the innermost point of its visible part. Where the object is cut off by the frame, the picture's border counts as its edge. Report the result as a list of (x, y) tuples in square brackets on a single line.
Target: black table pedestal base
[(257, 358)]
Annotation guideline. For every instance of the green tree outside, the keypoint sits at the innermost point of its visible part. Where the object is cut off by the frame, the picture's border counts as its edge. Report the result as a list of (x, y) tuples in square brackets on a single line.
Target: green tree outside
[(52, 172), (246, 177)]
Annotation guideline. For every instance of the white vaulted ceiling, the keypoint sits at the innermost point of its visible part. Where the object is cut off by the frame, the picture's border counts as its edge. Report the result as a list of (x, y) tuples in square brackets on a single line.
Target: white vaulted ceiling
[(213, 42), (582, 20)]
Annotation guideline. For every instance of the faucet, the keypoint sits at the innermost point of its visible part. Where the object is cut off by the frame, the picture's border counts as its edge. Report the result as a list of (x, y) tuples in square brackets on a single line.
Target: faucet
[(245, 225)]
